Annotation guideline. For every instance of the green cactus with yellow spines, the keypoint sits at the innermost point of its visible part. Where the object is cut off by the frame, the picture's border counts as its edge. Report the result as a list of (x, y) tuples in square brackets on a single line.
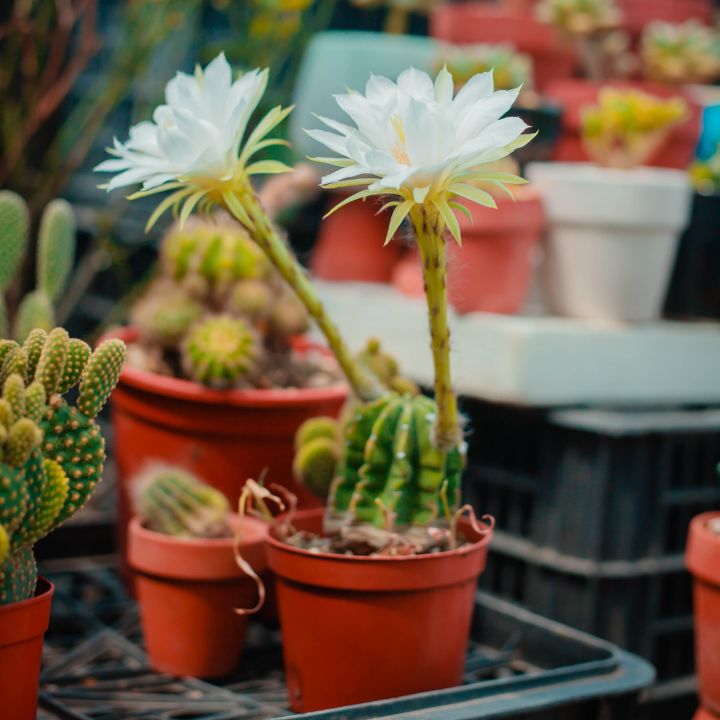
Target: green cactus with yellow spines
[(165, 314), (15, 362), (4, 545), (390, 466), (33, 346), (219, 350), (173, 501), (51, 453), (315, 464), (54, 257)]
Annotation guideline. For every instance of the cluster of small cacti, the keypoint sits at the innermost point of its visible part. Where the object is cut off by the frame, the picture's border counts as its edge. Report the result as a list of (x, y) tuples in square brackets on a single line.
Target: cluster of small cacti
[(705, 174), (509, 67), (628, 126), (216, 306), (51, 452), (55, 254), (580, 17), (173, 501), (687, 52)]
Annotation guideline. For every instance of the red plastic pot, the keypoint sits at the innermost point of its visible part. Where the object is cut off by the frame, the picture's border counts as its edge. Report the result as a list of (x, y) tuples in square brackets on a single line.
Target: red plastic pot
[(703, 714), (187, 589), (492, 271), (573, 95), (223, 436), (357, 629), (350, 243), (702, 557), (22, 627), (469, 22), (638, 13)]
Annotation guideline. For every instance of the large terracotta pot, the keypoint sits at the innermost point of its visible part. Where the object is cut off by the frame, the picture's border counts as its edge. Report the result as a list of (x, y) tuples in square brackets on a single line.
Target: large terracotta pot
[(187, 589), (22, 628), (702, 557), (573, 95), (470, 22), (350, 243), (492, 271), (357, 629), (223, 436)]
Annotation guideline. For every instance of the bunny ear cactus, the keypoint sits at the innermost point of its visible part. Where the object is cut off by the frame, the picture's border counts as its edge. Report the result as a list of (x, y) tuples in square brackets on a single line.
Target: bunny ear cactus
[(52, 453), (55, 253)]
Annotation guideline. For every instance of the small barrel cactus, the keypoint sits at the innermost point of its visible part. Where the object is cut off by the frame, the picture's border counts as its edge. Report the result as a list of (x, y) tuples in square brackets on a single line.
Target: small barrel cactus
[(51, 453), (317, 453), (172, 501), (390, 471), (580, 17), (219, 351), (165, 314), (385, 368), (55, 254)]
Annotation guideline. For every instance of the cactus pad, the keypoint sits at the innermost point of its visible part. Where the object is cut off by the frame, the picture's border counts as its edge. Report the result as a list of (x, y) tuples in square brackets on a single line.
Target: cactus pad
[(51, 365), (77, 358), (73, 440), (33, 345), (4, 545), (219, 351), (13, 497), (172, 501), (15, 362), (390, 465), (35, 311), (56, 248), (18, 577), (14, 224), (100, 376)]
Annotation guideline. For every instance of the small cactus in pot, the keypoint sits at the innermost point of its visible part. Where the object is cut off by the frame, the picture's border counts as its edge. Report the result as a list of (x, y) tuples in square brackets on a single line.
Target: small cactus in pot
[(52, 453)]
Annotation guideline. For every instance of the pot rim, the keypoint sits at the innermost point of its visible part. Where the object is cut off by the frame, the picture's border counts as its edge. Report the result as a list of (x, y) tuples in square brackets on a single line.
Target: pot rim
[(181, 389), (154, 553), (702, 555), (36, 599), (27, 619), (358, 559), (642, 177)]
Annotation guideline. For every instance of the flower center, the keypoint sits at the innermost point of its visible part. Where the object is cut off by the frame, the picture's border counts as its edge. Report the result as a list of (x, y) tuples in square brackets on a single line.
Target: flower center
[(399, 151)]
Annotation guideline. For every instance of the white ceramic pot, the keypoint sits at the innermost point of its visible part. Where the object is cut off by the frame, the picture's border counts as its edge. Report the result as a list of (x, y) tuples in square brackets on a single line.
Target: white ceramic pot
[(612, 237)]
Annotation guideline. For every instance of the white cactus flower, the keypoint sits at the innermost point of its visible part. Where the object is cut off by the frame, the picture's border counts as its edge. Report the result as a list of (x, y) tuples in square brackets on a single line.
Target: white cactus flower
[(415, 139), (194, 144)]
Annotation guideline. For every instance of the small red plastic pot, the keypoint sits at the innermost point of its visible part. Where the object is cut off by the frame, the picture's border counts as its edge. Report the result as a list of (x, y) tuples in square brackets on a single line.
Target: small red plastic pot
[(350, 243), (573, 95), (223, 436), (492, 271), (702, 558), (22, 628), (703, 714), (471, 22), (357, 629), (187, 589)]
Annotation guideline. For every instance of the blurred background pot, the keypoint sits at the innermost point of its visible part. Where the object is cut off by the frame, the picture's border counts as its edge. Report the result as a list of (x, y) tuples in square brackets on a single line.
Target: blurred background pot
[(187, 589), (22, 627), (612, 237), (573, 95), (702, 558), (492, 271), (222, 436), (357, 629)]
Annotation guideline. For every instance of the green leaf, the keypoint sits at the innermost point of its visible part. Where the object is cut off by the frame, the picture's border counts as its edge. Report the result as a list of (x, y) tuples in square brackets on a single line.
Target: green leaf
[(168, 202), (462, 208), (237, 209), (349, 183), (470, 192), (399, 214), (154, 191), (267, 167), (357, 196), (270, 121), (450, 220), (189, 205), (337, 162)]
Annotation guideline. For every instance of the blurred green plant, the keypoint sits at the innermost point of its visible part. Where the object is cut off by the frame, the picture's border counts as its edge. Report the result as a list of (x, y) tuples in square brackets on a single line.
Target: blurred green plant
[(510, 68), (705, 174)]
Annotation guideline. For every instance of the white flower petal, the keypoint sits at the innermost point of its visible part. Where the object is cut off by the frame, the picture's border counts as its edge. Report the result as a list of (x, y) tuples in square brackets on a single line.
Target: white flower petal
[(444, 87), (416, 83)]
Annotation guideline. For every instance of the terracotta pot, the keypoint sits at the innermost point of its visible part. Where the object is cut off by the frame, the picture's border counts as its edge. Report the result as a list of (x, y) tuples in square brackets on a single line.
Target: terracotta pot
[(357, 629), (573, 95), (492, 271), (703, 714), (22, 627), (638, 13), (469, 22), (350, 243), (187, 589), (702, 557), (224, 437)]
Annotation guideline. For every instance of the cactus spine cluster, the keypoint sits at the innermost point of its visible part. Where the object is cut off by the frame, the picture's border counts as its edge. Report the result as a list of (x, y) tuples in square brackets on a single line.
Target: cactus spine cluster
[(55, 254), (51, 453), (172, 501), (212, 279)]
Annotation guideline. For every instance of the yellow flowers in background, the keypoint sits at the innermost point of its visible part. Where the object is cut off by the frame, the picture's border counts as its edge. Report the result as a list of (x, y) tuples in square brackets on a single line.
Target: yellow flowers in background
[(628, 126)]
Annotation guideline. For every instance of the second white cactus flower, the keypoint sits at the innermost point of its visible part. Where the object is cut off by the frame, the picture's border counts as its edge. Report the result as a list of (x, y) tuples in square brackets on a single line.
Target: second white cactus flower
[(417, 140)]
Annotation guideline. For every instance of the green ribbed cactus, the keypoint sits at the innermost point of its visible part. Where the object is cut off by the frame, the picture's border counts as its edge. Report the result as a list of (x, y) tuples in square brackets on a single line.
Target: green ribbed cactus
[(51, 453), (55, 254), (390, 470), (219, 351), (173, 501)]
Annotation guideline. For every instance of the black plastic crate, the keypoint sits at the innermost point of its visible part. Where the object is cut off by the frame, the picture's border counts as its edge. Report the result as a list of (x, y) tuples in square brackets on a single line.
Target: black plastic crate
[(519, 666), (595, 484)]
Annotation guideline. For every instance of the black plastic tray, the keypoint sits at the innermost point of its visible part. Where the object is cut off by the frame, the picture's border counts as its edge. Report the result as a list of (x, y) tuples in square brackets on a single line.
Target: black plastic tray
[(519, 665)]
